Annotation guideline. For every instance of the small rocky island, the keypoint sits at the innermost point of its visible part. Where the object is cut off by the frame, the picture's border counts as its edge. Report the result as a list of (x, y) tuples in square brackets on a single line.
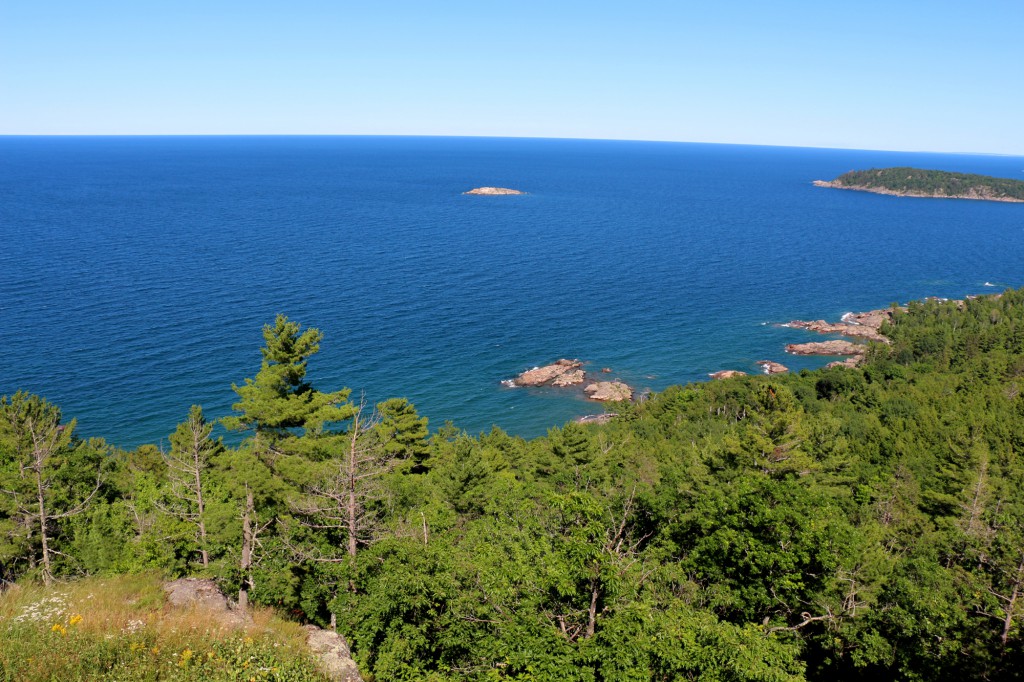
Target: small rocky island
[(493, 191), (564, 372), (915, 182)]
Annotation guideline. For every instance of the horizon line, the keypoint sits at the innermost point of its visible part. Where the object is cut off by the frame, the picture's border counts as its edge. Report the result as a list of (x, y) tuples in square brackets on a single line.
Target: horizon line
[(515, 137)]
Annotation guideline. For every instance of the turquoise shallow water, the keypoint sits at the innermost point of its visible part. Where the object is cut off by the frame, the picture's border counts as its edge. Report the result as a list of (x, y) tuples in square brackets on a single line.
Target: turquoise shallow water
[(135, 273)]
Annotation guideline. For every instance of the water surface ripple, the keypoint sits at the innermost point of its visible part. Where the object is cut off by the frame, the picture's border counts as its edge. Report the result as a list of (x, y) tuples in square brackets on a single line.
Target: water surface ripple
[(136, 273)]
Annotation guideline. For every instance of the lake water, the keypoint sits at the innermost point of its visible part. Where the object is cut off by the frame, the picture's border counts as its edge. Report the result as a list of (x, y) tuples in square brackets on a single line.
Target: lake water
[(136, 272)]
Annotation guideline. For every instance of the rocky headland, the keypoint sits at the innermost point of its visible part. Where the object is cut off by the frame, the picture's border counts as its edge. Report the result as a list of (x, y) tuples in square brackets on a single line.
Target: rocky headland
[(493, 191), (864, 326), (976, 193), (858, 330)]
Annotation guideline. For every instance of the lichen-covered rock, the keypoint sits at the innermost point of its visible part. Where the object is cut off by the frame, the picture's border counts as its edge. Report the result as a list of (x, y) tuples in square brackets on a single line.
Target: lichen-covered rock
[(332, 651), (608, 391), (203, 593)]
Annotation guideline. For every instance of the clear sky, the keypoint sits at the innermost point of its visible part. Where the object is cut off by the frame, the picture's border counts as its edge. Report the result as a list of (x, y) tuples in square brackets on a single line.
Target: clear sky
[(928, 75)]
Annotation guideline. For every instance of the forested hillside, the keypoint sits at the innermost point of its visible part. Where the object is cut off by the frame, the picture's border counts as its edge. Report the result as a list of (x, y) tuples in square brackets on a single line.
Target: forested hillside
[(835, 525)]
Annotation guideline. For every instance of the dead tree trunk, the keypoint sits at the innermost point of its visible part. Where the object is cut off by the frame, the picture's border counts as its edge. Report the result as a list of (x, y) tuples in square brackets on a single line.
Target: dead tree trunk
[(352, 505), (197, 450), (248, 539), (1012, 601), (43, 536)]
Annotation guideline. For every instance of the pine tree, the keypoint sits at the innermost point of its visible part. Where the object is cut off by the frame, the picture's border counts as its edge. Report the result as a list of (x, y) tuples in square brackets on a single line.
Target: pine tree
[(280, 399), (187, 464), (46, 477)]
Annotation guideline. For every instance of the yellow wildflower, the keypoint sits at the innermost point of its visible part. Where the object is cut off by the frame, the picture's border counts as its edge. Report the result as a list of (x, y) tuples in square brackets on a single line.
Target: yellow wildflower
[(75, 619), (155, 650), (57, 627)]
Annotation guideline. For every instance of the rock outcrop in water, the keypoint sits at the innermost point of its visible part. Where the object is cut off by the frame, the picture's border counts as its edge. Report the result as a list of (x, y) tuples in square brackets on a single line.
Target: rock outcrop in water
[(566, 372), (493, 191), (608, 391), (770, 367), (570, 378), (727, 374)]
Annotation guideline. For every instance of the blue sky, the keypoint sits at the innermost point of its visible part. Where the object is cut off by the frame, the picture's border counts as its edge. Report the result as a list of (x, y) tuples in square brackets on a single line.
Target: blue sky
[(902, 74)]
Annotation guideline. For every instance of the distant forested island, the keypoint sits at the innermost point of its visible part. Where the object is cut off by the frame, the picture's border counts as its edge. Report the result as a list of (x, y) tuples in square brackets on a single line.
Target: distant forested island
[(915, 182)]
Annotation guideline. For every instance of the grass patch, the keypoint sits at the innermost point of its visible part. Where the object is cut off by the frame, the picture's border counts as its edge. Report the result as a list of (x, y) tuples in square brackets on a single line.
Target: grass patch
[(120, 629)]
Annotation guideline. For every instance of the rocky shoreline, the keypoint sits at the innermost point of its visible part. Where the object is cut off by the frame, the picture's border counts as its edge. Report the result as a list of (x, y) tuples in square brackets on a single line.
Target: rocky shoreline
[(567, 373), (973, 194), (864, 326)]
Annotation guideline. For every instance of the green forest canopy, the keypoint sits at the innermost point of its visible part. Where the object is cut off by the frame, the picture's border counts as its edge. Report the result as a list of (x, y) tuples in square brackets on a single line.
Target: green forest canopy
[(840, 524), (932, 182)]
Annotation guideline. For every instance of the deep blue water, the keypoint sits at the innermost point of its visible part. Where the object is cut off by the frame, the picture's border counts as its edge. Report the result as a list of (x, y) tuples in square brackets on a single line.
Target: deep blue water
[(136, 273)]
